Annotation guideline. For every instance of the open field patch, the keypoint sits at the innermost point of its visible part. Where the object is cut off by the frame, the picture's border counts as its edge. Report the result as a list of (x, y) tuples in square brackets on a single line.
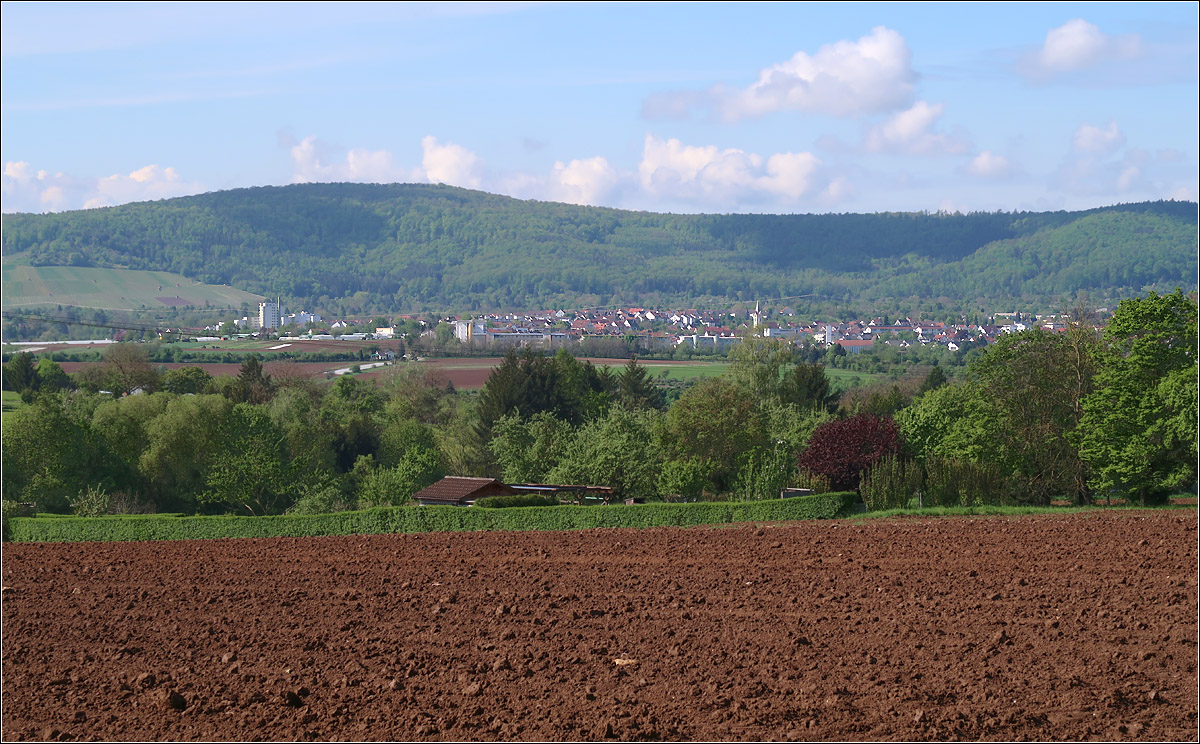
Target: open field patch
[(469, 374), (113, 289), (225, 369), (1066, 627)]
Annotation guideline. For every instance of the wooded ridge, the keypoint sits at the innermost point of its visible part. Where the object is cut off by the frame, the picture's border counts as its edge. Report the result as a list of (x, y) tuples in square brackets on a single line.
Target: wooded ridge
[(408, 247)]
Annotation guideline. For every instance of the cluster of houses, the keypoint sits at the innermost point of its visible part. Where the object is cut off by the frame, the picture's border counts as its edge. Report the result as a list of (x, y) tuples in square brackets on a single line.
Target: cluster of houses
[(654, 330)]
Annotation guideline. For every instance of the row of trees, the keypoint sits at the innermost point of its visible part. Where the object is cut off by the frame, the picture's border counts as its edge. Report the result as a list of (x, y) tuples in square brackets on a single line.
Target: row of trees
[(1075, 415), (1036, 417)]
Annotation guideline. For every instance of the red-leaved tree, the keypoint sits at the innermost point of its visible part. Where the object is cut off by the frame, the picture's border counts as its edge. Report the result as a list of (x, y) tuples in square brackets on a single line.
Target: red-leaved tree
[(842, 450)]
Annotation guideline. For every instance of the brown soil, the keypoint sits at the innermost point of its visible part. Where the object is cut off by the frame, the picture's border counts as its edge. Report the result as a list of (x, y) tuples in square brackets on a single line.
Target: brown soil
[(1049, 627)]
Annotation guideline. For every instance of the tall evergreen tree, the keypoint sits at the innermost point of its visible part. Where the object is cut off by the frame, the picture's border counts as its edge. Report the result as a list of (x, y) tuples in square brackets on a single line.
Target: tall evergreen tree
[(635, 388), (934, 380), (807, 386)]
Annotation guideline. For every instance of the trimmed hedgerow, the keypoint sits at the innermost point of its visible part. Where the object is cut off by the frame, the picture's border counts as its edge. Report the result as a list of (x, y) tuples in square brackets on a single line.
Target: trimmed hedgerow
[(516, 499), (388, 520)]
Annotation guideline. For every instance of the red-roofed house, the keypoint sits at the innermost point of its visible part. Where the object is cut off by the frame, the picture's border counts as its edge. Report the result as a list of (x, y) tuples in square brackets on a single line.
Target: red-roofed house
[(853, 346), (454, 490)]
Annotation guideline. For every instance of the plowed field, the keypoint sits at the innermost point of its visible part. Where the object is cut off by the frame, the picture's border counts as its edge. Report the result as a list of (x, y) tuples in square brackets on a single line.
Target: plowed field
[(1058, 627)]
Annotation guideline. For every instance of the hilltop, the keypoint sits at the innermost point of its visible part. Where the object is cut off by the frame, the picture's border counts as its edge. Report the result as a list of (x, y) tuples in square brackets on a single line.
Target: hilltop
[(405, 247)]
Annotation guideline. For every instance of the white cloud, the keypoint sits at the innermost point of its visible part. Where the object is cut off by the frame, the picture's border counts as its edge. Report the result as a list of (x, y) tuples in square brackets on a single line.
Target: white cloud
[(1077, 44), (951, 206), (590, 181), (988, 164), (1106, 174), (673, 168), (708, 174), (318, 161), (1183, 193), (912, 132), (847, 78), (839, 190), (314, 161), (29, 190), (790, 174), (1129, 176), (150, 182), (1089, 138), (450, 164)]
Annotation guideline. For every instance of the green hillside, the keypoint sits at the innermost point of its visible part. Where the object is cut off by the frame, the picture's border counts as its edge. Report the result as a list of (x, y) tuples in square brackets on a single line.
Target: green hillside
[(401, 247), (113, 289)]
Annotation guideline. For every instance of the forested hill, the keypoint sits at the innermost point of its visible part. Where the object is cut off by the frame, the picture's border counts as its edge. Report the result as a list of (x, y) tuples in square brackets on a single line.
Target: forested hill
[(411, 246)]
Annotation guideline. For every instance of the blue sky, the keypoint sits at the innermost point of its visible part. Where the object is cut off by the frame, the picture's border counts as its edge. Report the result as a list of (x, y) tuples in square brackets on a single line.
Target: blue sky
[(661, 107)]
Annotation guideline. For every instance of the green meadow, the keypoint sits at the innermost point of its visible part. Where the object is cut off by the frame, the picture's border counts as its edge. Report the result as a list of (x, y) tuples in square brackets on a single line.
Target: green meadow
[(842, 379), (112, 289), (11, 400)]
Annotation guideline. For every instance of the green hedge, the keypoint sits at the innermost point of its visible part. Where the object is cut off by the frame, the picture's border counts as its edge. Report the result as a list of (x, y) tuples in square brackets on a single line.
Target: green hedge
[(387, 520), (516, 499)]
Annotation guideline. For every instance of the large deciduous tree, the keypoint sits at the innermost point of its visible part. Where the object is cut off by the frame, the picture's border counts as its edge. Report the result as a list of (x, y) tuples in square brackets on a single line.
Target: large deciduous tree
[(757, 364), (719, 422), (841, 450), (527, 450), (50, 457), (254, 472), (1035, 383), (186, 380), (183, 443), (1138, 429), (127, 368), (619, 450)]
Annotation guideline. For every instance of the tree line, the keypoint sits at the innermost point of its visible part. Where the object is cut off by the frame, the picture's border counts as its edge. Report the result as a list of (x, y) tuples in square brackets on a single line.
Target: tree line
[(1035, 417)]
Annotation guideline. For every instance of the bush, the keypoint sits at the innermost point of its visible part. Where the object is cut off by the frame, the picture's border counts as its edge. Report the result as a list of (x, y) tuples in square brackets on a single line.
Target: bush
[(516, 499), (122, 502), (91, 503), (891, 483), (764, 475), (953, 482), (816, 483), (842, 450), (325, 498), (10, 509)]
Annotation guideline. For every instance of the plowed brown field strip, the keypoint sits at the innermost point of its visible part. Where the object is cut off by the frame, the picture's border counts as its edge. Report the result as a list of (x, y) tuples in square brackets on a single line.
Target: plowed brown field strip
[(1057, 627)]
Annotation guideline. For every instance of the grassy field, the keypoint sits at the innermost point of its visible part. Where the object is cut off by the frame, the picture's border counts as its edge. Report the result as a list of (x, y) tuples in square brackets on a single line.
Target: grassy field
[(11, 400), (112, 289), (472, 373), (842, 379)]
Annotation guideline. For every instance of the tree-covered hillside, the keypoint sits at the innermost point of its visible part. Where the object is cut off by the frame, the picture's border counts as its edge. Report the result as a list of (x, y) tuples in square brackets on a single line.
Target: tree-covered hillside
[(409, 246)]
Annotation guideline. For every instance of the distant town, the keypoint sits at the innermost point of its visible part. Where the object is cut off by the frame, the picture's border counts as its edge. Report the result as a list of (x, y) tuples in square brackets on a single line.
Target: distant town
[(646, 329)]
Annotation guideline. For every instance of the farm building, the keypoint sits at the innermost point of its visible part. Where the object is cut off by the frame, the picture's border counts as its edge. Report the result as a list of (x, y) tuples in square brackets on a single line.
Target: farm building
[(454, 490)]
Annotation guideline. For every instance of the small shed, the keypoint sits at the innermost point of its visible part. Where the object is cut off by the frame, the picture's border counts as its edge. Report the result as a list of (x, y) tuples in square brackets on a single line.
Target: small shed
[(455, 490), (791, 493)]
